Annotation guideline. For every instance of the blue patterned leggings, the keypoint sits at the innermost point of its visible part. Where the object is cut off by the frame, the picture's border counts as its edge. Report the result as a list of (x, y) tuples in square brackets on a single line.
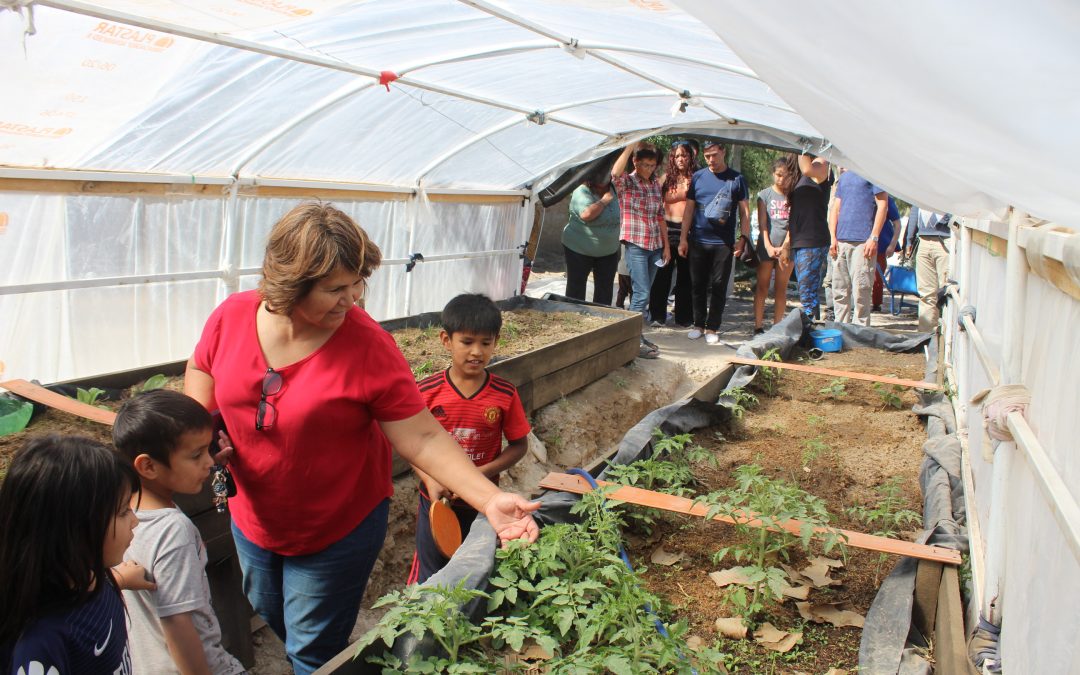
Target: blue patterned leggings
[(809, 267)]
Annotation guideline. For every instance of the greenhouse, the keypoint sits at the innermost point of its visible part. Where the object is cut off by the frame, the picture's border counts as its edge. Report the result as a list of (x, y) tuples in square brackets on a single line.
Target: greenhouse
[(147, 148)]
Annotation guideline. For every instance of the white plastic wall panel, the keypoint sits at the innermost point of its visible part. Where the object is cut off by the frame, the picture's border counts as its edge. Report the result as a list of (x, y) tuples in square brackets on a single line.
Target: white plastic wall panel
[(54, 335), (962, 106), (1042, 572), (386, 223)]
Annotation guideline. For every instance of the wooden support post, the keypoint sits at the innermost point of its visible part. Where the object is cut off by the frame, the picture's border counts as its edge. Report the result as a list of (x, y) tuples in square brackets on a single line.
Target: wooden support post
[(927, 589), (950, 645)]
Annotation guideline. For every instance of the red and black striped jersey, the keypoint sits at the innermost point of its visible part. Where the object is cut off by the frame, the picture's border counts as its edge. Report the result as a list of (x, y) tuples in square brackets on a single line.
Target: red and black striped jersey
[(478, 422)]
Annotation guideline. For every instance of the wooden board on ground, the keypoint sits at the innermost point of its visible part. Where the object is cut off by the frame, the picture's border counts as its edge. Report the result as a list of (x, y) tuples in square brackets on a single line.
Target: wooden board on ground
[(658, 500), (917, 384), (36, 392)]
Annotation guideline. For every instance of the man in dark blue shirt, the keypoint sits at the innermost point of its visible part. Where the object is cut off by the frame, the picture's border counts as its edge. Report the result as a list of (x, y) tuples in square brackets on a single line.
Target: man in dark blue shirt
[(718, 195)]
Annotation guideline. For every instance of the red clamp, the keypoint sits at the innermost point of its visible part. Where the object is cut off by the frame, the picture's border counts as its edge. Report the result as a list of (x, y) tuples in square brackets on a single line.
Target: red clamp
[(386, 77)]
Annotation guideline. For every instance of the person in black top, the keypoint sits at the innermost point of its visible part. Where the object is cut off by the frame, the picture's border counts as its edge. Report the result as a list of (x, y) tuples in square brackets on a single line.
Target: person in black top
[(808, 229)]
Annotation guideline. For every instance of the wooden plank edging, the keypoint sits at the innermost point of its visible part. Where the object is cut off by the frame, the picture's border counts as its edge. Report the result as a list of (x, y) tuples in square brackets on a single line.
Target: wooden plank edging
[(657, 500), (917, 384)]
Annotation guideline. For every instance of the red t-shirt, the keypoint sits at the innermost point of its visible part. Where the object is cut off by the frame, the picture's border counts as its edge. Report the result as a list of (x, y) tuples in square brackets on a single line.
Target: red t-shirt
[(312, 477), (477, 422)]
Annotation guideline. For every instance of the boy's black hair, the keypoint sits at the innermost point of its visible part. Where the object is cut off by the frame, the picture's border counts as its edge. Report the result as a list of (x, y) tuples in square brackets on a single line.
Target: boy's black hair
[(58, 504), (472, 312), (152, 423)]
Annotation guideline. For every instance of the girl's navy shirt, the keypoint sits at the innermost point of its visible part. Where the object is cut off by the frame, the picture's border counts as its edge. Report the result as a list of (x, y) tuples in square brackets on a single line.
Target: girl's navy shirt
[(88, 640)]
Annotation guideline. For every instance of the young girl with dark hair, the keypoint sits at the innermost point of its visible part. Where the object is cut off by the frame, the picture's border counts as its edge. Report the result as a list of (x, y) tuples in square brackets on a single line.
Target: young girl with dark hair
[(773, 252), (66, 520)]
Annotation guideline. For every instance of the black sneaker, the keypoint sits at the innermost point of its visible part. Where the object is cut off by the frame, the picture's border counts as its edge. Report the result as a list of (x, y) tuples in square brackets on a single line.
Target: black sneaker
[(876, 308), (759, 331)]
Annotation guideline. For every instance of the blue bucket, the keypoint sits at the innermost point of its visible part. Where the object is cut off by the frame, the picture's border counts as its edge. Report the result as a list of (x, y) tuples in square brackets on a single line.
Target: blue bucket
[(827, 339)]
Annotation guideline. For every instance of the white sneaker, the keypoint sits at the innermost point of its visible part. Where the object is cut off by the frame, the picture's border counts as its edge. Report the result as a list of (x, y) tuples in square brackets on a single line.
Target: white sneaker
[(694, 333), (712, 339)]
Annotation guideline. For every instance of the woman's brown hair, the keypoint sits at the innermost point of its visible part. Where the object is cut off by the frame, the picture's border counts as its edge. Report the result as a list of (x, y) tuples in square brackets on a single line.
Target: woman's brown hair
[(308, 244)]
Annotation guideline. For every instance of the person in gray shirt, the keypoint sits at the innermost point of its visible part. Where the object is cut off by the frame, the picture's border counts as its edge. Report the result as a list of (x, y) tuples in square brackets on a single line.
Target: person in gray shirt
[(773, 249), (166, 436)]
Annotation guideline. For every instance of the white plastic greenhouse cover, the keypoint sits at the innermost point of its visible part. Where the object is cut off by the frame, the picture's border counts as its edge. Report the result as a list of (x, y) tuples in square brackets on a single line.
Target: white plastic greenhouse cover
[(225, 102)]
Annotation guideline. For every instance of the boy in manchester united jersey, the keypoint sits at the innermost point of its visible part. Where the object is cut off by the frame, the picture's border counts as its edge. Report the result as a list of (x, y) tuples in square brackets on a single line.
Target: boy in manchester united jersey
[(476, 407)]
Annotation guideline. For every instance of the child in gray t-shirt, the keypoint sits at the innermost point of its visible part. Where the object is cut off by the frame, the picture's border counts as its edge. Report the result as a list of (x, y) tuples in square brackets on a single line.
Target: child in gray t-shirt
[(166, 435)]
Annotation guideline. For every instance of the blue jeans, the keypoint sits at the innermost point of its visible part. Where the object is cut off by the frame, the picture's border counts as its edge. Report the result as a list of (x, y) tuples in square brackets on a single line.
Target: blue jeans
[(810, 264), (311, 601), (642, 267)]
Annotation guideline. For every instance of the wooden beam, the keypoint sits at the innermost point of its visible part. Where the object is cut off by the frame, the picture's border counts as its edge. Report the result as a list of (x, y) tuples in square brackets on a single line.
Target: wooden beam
[(59, 401), (917, 384), (477, 199), (950, 647), (328, 194), (625, 493), (110, 188), (996, 245)]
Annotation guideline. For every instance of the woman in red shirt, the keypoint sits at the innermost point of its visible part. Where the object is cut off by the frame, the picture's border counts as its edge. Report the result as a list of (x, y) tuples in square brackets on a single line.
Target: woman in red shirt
[(314, 393)]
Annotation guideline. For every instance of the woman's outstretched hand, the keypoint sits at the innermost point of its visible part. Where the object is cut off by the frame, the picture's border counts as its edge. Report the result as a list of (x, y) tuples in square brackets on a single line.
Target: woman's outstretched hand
[(511, 516)]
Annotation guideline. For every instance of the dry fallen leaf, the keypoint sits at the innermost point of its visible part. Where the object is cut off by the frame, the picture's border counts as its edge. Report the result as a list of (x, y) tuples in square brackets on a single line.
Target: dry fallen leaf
[(730, 576), (836, 671), (660, 556), (836, 614), (770, 637), (800, 592), (694, 642), (818, 574), (793, 574), (831, 562), (731, 627)]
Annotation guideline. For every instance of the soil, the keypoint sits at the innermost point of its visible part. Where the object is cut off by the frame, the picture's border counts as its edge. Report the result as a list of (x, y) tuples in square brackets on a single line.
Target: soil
[(868, 445), (523, 330)]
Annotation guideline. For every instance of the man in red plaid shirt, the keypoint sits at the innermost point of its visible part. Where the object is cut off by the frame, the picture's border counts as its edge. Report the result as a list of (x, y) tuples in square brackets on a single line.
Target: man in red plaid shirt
[(645, 246)]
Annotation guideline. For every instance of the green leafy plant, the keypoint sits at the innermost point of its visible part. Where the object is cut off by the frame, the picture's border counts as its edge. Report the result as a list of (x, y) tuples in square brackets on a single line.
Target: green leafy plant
[(812, 449), (569, 592), (837, 388), (154, 382), (89, 396), (738, 400), (510, 330), (887, 517), (890, 396), (814, 420), (670, 470), (424, 369), (773, 502), (770, 377)]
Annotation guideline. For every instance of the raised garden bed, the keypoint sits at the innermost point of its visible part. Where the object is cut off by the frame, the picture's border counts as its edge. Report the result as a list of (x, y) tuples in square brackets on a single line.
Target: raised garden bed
[(850, 444)]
